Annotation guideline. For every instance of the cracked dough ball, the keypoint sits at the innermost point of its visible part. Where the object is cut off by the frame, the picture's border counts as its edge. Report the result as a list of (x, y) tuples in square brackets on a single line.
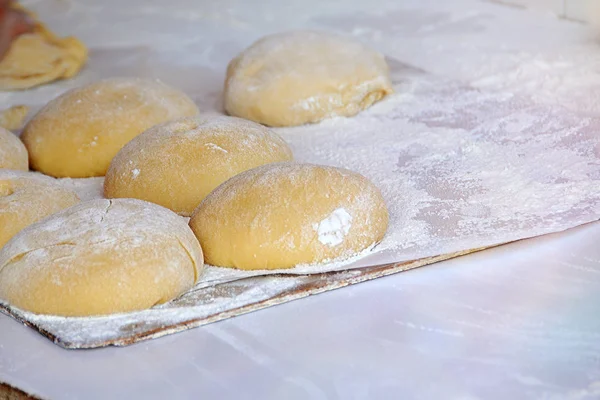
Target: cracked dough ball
[(27, 197), (281, 215), (77, 134), (178, 163), (300, 77), (100, 257), (13, 154)]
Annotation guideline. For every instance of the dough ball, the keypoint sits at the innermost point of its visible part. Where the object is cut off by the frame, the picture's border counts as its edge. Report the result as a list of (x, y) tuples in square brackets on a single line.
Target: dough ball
[(300, 77), (13, 154), (100, 257), (177, 164), (27, 197), (281, 215), (77, 134), (40, 57)]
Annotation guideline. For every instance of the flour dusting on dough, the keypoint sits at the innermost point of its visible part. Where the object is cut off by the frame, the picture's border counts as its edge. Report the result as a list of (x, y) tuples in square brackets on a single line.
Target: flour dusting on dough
[(334, 228), (215, 147)]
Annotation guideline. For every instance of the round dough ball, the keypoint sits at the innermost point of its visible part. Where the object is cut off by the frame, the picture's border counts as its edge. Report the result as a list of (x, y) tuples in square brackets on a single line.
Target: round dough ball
[(27, 197), (77, 134), (100, 257), (300, 77), (281, 215), (13, 154), (177, 164)]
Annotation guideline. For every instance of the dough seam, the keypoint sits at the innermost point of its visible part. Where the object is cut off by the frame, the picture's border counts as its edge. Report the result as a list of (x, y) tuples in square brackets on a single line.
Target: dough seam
[(19, 256), (189, 254), (105, 214)]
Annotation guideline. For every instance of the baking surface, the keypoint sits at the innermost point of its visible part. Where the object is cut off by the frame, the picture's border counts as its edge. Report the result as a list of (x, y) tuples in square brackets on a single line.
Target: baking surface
[(516, 322), (460, 168)]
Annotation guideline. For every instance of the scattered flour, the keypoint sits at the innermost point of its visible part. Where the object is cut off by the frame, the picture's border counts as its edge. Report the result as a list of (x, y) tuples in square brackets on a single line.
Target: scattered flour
[(215, 147)]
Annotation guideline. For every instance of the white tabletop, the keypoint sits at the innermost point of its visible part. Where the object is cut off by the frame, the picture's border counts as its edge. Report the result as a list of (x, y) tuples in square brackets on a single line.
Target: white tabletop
[(518, 321)]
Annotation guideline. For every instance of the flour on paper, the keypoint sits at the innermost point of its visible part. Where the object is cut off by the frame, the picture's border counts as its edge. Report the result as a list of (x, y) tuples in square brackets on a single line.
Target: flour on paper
[(489, 147)]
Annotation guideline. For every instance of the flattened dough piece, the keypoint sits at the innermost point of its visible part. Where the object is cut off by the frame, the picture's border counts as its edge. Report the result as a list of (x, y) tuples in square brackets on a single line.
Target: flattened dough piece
[(100, 257), (77, 134), (285, 214), (178, 163), (300, 77), (13, 154), (40, 57), (27, 197), (12, 118)]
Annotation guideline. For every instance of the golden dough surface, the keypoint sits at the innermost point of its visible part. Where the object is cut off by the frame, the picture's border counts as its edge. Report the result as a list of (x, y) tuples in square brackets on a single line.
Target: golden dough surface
[(100, 257), (40, 57), (301, 77), (13, 154), (178, 163), (77, 134), (285, 214), (27, 197)]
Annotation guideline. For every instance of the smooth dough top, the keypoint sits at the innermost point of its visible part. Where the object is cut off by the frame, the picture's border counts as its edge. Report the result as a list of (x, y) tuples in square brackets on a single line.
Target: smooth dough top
[(13, 154), (77, 134), (284, 214), (300, 77), (100, 257), (178, 163)]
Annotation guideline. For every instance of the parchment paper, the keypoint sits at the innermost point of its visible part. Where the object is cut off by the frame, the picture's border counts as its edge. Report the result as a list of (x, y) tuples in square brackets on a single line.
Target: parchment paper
[(460, 168)]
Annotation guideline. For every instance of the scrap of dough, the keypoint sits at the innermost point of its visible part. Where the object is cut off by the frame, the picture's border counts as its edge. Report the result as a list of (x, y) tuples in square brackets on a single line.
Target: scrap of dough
[(40, 57), (13, 118), (13, 154)]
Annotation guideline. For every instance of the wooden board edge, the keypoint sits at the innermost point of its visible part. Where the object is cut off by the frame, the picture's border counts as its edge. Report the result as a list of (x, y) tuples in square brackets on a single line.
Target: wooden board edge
[(9, 392)]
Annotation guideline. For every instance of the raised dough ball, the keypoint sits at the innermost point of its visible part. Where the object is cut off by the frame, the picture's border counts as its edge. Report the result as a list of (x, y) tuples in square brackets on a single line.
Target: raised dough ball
[(281, 215), (27, 197), (300, 77), (77, 134), (100, 257), (178, 163), (13, 154)]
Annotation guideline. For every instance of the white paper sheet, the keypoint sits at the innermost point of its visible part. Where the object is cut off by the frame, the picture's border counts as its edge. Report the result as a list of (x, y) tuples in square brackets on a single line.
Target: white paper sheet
[(460, 168)]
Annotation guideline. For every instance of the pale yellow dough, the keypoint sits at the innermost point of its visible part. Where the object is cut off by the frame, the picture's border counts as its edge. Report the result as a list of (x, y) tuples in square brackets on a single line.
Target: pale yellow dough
[(281, 215), (300, 77), (100, 257), (12, 118), (77, 134), (178, 163), (40, 57), (13, 154), (27, 197)]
